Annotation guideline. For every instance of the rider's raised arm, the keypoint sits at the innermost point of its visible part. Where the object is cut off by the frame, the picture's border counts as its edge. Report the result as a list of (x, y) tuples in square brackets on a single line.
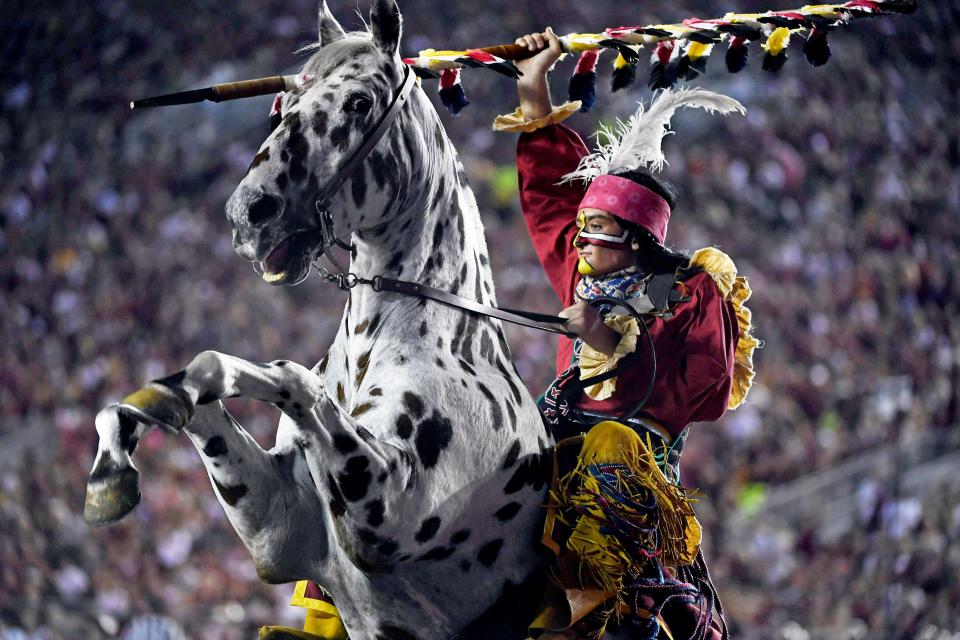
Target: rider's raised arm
[(546, 151), (544, 156)]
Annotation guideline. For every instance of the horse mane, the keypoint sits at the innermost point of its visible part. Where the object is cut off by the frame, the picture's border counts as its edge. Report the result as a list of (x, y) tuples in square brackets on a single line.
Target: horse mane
[(349, 42)]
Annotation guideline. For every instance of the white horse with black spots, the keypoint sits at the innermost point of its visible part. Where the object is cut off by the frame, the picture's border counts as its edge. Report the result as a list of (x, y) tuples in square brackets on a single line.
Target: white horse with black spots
[(409, 473)]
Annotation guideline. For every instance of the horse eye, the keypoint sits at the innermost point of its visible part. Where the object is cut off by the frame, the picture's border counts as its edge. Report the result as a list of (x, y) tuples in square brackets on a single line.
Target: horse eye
[(359, 104)]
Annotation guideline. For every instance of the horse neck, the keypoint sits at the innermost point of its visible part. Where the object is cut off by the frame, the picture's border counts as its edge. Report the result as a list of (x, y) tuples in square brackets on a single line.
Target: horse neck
[(436, 236)]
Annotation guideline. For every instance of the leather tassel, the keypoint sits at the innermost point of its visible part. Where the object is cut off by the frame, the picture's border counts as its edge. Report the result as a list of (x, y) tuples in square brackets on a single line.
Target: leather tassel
[(817, 48), (275, 117), (663, 72), (776, 48), (774, 63), (583, 84), (451, 91), (624, 73), (738, 54), (693, 62)]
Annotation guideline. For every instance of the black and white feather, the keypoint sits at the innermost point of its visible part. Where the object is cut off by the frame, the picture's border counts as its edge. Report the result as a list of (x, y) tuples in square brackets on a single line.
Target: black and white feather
[(637, 143)]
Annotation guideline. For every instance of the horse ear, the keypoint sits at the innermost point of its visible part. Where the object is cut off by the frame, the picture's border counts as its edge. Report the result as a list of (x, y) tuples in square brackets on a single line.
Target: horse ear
[(329, 28), (385, 21)]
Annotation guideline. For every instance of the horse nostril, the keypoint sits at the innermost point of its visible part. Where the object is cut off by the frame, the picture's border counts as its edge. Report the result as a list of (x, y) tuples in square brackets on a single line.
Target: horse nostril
[(265, 208)]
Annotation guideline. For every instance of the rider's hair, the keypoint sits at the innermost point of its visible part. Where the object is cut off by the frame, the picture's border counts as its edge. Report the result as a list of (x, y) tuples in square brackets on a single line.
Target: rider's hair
[(652, 256)]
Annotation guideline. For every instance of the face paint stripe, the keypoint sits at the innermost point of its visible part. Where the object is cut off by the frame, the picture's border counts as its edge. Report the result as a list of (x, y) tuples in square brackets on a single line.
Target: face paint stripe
[(602, 239), (621, 239), (584, 237)]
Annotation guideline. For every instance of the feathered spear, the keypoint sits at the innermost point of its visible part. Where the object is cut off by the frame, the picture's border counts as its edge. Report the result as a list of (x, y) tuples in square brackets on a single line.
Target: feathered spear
[(680, 51)]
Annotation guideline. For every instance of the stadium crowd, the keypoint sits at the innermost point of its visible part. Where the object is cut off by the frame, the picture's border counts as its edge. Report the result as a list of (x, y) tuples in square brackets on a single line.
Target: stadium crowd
[(837, 195)]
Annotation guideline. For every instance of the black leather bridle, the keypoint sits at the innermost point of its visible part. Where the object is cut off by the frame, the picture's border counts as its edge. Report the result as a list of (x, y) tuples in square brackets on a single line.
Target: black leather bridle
[(327, 233)]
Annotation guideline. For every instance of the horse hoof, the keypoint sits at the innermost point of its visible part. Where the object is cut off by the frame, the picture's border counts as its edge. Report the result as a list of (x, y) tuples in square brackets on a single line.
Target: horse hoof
[(159, 405), (110, 499)]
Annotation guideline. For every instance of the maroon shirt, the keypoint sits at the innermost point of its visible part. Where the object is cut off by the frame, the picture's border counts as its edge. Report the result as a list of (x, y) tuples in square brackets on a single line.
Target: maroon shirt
[(695, 347)]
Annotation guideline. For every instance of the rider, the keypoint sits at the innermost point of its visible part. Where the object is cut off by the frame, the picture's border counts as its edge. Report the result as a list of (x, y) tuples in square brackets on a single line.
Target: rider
[(624, 534)]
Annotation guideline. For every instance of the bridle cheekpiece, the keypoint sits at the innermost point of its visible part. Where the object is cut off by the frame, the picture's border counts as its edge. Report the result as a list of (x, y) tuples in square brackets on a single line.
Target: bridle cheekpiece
[(322, 204)]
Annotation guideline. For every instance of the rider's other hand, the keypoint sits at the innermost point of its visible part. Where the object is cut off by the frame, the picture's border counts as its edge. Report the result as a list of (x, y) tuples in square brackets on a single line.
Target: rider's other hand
[(583, 320), (548, 46)]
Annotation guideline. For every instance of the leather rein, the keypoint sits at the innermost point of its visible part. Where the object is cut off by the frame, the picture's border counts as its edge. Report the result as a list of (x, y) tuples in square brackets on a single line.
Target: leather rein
[(660, 289), (346, 281)]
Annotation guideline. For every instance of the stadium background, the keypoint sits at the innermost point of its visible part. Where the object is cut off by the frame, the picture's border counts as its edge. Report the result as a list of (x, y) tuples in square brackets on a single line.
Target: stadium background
[(830, 501)]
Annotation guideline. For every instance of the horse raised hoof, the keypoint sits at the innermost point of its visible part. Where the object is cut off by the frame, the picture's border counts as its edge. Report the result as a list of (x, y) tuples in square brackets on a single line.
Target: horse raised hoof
[(111, 494), (159, 405)]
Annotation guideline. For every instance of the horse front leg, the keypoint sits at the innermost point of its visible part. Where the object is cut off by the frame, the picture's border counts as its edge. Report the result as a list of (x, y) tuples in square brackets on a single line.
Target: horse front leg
[(269, 497), (211, 376), (171, 402), (295, 390), (341, 474)]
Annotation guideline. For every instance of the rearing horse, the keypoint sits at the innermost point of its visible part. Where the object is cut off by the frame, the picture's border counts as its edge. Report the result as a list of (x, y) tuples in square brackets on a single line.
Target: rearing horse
[(408, 476)]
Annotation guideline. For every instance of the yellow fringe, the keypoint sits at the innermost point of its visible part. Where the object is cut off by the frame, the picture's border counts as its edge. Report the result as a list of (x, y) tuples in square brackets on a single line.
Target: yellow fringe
[(593, 362), (323, 620), (743, 372), (603, 562), (736, 289)]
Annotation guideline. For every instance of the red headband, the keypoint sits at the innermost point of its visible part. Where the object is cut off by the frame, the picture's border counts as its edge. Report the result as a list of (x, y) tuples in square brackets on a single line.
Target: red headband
[(626, 199)]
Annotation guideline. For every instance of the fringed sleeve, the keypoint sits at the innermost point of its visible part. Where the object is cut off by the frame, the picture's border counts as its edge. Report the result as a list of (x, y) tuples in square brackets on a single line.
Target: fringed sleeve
[(736, 290), (550, 210)]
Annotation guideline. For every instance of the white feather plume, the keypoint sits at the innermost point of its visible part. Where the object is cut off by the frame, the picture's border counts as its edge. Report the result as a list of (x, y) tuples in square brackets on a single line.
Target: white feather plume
[(636, 143)]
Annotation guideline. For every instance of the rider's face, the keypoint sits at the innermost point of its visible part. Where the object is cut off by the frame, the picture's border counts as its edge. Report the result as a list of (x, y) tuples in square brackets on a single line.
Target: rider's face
[(597, 259)]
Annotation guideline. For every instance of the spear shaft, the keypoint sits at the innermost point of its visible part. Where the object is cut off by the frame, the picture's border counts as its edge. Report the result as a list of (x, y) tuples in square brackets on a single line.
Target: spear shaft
[(626, 40), (221, 92), (276, 84)]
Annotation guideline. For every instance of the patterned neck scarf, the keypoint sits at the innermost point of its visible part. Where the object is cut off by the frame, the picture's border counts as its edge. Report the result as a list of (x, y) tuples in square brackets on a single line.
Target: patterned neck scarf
[(623, 285)]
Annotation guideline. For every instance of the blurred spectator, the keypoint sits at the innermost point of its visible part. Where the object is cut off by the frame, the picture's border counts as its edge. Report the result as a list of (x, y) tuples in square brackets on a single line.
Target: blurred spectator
[(837, 195)]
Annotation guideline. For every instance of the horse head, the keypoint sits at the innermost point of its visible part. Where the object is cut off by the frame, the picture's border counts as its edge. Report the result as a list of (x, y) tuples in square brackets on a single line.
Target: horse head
[(346, 88)]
